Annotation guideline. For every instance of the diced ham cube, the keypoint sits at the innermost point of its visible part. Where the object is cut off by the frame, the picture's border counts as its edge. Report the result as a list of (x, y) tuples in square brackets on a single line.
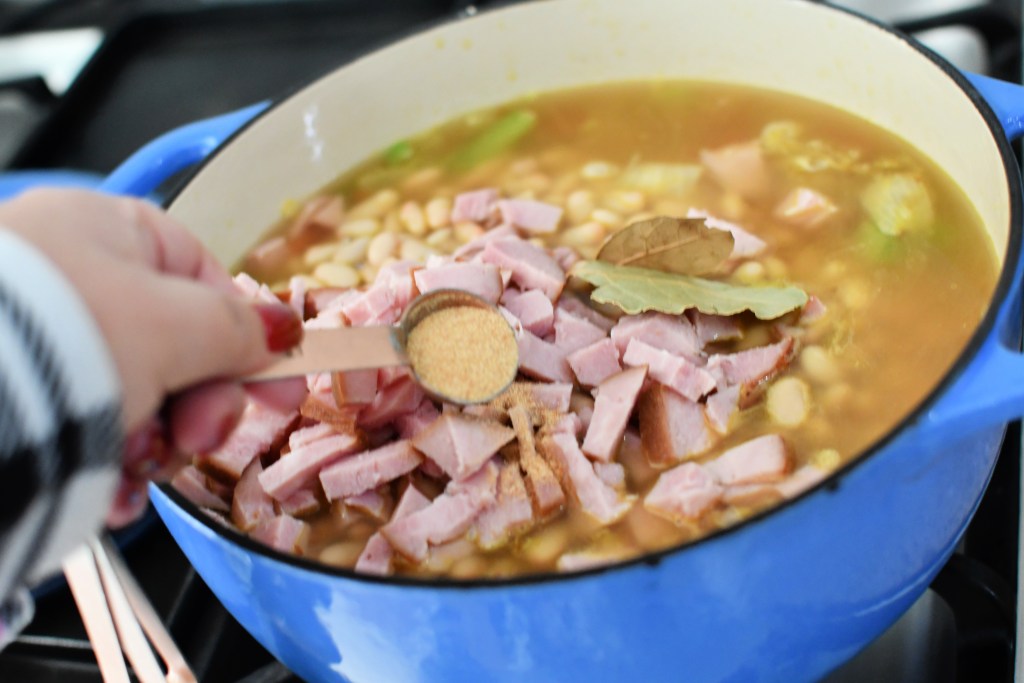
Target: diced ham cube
[(259, 429), (388, 376), (812, 311), (751, 367), (326, 298), (374, 306), (474, 206), (359, 473), (595, 363), (321, 408), (684, 492), (805, 208), (672, 428), (399, 398), (567, 424), (583, 407), (530, 265), (611, 473), (801, 480), (475, 246), (377, 555), (721, 406), (250, 504), (397, 278), (672, 333), (461, 444), (553, 396), (714, 328), (764, 459), (192, 484), (248, 286), (297, 296), (412, 424), (615, 400), (372, 503), (744, 245), (675, 372), (447, 517), (573, 332), (354, 387), (300, 467), (512, 512), (542, 360), (529, 215), (578, 308), (482, 279), (283, 533), (565, 257), (541, 482), (534, 310), (739, 168), (596, 498), (301, 503)]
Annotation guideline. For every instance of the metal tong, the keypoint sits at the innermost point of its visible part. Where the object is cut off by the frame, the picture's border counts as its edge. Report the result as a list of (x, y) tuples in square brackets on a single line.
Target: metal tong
[(118, 618)]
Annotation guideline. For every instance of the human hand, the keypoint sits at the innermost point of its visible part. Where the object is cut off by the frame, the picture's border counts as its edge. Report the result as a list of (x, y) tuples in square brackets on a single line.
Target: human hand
[(176, 327)]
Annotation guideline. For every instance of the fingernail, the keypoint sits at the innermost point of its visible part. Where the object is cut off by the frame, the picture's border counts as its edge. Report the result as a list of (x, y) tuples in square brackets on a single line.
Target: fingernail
[(283, 327)]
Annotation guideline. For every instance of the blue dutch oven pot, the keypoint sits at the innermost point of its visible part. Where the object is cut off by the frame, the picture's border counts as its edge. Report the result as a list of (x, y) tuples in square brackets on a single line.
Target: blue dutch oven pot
[(786, 596)]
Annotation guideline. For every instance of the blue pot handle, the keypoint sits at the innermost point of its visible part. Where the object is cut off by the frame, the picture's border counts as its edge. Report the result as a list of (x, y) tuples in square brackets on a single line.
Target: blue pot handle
[(174, 151), (991, 389)]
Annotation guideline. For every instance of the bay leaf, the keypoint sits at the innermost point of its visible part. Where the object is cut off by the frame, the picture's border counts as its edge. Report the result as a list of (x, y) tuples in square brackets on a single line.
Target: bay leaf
[(636, 290), (673, 245)]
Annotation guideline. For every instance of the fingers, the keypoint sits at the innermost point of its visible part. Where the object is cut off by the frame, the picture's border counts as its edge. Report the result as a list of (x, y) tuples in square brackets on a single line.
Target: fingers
[(201, 418), (129, 503)]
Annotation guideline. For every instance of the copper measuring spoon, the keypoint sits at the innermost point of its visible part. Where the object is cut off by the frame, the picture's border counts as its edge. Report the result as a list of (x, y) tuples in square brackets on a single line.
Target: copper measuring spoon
[(359, 348)]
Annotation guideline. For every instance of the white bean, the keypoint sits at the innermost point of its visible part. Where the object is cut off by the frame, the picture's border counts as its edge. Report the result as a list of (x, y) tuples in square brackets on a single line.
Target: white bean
[(414, 250), (625, 201), (579, 205), (750, 272), (598, 170), (422, 179), (545, 546), (606, 217), (466, 231), (439, 238), (589, 234), (352, 251), (318, 253), (818, 364), (342, 554), (376, 205), (411, 215), (855, 294), (439, 212), (381, 247), (336, 275), (360, 227), (788, 401), (826, 459)]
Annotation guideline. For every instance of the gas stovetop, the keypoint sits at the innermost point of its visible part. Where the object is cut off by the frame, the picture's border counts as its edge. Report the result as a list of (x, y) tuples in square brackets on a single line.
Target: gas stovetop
[(233, 53)]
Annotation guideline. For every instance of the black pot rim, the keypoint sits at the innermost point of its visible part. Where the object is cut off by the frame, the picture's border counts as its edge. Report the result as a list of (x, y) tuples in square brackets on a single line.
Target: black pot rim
[(831, 483)]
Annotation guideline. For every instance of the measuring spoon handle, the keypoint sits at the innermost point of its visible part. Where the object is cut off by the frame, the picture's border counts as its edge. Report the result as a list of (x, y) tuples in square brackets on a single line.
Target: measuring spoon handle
[(343, 348)]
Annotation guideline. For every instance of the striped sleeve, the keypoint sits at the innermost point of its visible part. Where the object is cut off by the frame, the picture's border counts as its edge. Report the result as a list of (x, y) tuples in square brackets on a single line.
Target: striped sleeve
[(60, 424)]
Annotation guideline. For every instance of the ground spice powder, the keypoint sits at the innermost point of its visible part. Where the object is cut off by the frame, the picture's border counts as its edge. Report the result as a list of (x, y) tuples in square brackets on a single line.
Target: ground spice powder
[(466, 354)]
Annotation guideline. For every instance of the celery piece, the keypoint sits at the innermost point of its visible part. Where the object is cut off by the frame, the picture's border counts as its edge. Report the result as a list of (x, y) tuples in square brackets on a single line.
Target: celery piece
[(397, 153), (879, 246), (897, 203), (494, 140)]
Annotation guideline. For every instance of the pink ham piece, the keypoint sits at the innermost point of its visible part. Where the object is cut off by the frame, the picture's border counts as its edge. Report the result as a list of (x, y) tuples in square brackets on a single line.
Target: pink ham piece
[(674, 372), (579, 309), (399, 398), (307, 435), (474, 206), (541, 482), (573, 333), (248, 286), (192, 484), (553, 396), (565, 257), (534, 310), (412, 424), (739, 167), (374, 306), (359, 473), (326, 299), (764, 459), (377, 555), (615, 400), (753, 366), (611, 473), (283, 533), (448, 516), (805, 208), (301, 503), (530, 265), (298, 468), (684, 492), (397, 278), (672, 428), (354, 387), (801, 480), (259, 429), (596, 498), (672, 333), (813, 311), (482, 279), (297, 296), (542, 360), (721, 406), (512, 512), (595, 363), (475, 246), (583, 407), (250, 504), (744, 244), (530, 216), (372, 503), (714, 328), (461, 444)]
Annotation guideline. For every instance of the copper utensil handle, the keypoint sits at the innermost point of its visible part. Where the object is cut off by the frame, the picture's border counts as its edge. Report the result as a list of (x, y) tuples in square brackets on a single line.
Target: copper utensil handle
[(344, 348)]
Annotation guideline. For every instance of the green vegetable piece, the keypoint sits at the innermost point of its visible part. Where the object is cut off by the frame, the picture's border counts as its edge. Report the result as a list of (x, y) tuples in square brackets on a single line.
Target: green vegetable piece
[(878, 246), (635, 290), (495, 139), (398, 153), (897, 203)]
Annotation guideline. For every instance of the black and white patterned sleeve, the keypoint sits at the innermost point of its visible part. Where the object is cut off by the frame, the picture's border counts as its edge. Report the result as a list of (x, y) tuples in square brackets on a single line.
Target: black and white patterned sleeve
[(60, 429)]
